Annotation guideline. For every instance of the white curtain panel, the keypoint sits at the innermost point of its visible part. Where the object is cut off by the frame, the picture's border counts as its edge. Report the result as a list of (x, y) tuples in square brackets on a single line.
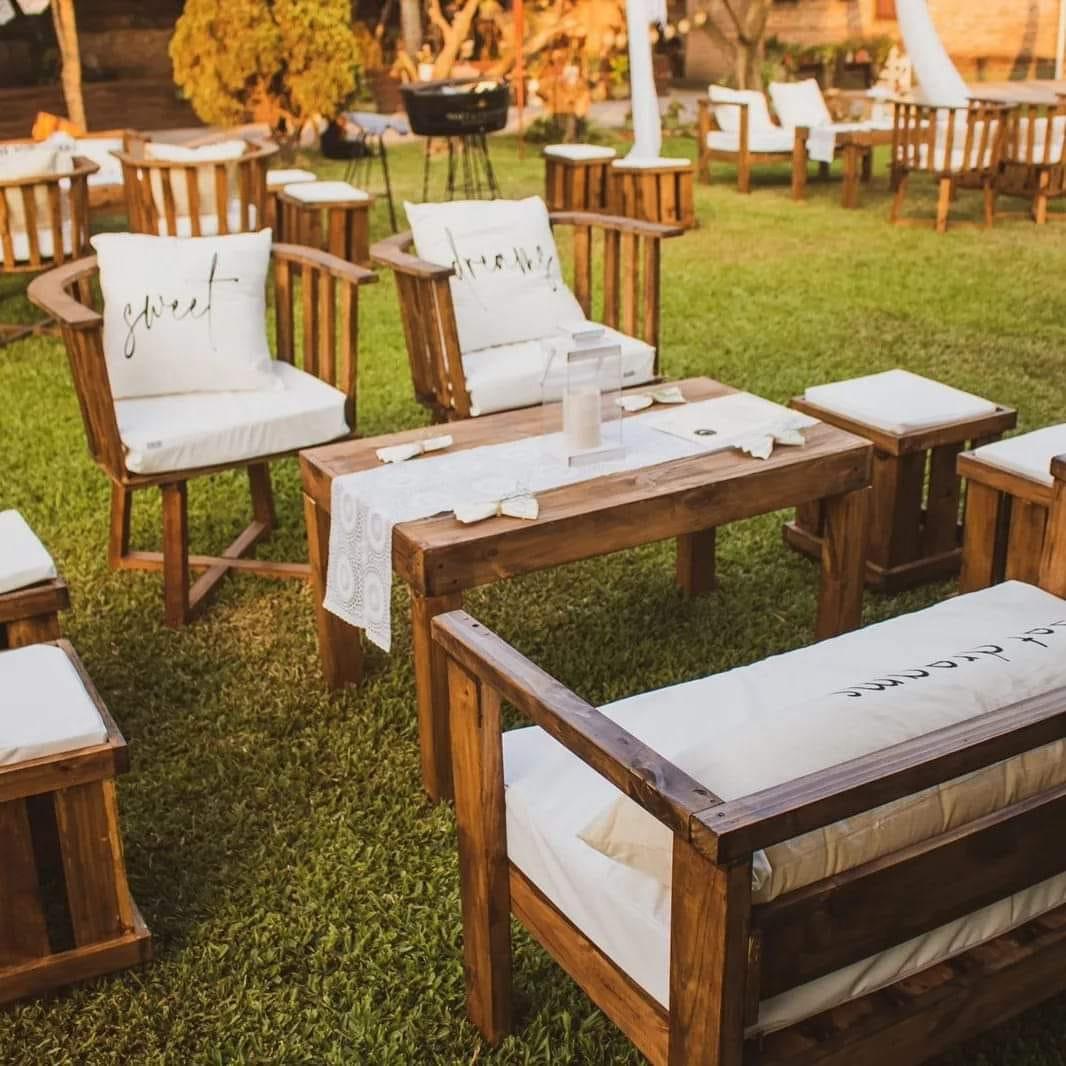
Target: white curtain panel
[(939, 80), (647, 123)]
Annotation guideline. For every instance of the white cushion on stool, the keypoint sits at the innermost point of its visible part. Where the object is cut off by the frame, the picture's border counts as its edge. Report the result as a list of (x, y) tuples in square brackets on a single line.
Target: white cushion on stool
[(1029, 454), (326, 192), (648, 164), (898, 401), (579, 152), (24, 560), (277, 179), (44, 707)]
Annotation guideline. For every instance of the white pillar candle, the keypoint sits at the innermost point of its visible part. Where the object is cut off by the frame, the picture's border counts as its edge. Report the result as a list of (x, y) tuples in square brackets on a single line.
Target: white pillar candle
[(581, 419)]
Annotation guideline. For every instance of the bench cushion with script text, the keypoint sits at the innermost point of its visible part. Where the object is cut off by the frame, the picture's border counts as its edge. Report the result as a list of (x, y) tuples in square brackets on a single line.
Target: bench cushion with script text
[(185, 314), (508, 285)]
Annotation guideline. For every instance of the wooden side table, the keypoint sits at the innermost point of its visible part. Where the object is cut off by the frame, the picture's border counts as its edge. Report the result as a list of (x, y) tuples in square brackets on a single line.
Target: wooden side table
[(576, 177), (276, 180), (31, 592), (658, 193), (1009, 490), (914, 534), (330, 215), (855, 147)]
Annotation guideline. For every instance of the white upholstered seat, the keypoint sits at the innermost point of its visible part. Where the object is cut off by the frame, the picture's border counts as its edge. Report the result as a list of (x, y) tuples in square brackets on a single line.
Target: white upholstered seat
[(44, 707), (192, 430), (761, 141), (326, 192), (1028, 454), (579, 152), (24, 560), (898, 401), (764, 135)]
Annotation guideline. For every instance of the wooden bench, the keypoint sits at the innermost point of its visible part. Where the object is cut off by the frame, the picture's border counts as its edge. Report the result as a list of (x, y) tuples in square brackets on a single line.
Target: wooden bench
[(31, 592)]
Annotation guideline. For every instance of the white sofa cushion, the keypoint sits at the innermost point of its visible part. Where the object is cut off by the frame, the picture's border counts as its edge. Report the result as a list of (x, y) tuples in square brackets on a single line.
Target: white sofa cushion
[(278, 179), (184, 314), (897, 401), (20, 241), (327, 192), (768, 142), (727, 114), (1028, 454), (203, 157), (206, 429), (512, 375), (800, 103), (508, 284), (24, 560), (209, 223), (44, 708), (579, 152)]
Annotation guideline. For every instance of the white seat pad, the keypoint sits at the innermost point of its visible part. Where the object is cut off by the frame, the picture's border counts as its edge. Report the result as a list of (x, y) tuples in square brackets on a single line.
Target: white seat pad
[(579, 152), (24, 560), (770, 141), (191, 430), (658, 162), (897, 401), (278, 179), (1028, 454), (512, 375), (327, 192), (44, 708)]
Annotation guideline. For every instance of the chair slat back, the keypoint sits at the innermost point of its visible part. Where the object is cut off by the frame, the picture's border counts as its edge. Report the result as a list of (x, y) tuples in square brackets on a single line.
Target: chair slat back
[(961, 141), (1036, 134)]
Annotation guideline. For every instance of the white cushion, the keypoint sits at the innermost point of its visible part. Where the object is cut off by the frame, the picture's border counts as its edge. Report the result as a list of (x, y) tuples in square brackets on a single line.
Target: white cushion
[(203, 157), (44, 708), (209, 428), (512, 375), (766, 141), (278, 179), (184, 314), (633, 163), (327, 192), (728, 116), (24, 560), (97, 150), (20, 241), (898, 401), (18, 162), (209, 223), (1028, 454), (508, 284), (579, 152), (800, 103)]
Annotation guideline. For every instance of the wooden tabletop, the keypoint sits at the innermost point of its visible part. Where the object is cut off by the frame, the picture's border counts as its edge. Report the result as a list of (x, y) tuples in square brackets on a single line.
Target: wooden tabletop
[(440, 555)]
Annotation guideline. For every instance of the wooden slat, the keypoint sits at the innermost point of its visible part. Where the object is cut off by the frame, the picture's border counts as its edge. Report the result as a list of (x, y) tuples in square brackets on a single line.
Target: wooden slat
[(55, 224), (348, 379), (29, 213), (166, 177), (844, 538), (221, 197), (651, 282), (984, 537), (283, 310), (192, 195), (1053, 564), (327, 328), (1025, 544), (896, 509), (940, 531), (583, 268), (611, 244), (7, 247), (630, 282), (309, 294), (23, 932)]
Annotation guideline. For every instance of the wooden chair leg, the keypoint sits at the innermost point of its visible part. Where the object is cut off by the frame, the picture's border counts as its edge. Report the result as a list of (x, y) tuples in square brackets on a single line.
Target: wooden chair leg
[(262, 495), (1040, 203), (118, 544), (990, 202), (867, 165), (744, 173), (23, 932), (900, 181), (175, 554), (943, 204), (799, 165)]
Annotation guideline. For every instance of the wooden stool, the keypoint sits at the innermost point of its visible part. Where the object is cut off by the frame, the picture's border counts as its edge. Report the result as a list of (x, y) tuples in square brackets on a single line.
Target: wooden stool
[(66, 913), (660, 192), (331, 215), (917, 427), (1009, 488), (576, 177), (31, 592), (276, 180)]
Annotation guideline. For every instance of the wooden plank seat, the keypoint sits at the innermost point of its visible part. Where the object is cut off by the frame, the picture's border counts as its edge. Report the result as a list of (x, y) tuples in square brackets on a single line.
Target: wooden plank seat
[(918, 428), (31, 591), (66, 913), (1008, 496), (456, 376), (901, 941), (167, 441), (577, 177)]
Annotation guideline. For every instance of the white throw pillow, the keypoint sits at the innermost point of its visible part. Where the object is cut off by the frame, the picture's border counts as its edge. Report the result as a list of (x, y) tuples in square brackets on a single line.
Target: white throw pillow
[(202, 157), (184, 314), (508, 285), (728, 116), (800, 103)]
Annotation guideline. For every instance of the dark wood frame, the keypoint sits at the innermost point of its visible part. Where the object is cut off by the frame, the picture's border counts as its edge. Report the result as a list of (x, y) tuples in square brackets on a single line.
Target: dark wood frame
[(744, 158), (340, 227), (630, 298), (62, 809), (727, 953), (577, 184), (909, 542), (329, 298), (30, 615), (654, 194), (247, 187), (1027, 171)]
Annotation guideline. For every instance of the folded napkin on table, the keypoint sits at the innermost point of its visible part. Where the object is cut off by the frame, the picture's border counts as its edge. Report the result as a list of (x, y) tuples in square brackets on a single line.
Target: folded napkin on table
[(398, 453), (641, 401), (522, 506)]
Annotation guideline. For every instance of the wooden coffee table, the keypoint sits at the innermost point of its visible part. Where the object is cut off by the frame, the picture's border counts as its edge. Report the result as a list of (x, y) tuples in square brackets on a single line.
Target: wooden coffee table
[(440, 558)]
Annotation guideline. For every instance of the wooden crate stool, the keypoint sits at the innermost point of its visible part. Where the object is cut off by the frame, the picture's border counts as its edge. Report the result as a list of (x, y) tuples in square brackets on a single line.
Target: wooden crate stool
[(31, 592), (1009, 489), (576, 177), (276, 180), (66, 913), (918, 428), (659, 190), (330, 215)]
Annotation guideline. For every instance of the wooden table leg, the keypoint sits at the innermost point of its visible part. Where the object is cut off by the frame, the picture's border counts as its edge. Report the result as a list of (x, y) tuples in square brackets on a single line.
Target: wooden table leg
[(850, 192), (431, 684), (843, 563), (984, 541), (340, 646), (696, 562)]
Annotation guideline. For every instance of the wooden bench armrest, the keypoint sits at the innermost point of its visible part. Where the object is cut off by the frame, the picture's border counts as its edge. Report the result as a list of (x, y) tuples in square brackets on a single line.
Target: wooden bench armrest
[(49, 292), (392, 252), (339, 268), (657, 230), (631, 766)]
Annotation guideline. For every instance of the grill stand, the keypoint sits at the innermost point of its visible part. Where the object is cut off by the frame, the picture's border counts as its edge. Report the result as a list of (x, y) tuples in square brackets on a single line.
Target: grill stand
[(469, 168)]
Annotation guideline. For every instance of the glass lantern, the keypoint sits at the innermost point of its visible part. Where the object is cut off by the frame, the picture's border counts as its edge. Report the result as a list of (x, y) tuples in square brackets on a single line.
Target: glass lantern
[(581, 387)]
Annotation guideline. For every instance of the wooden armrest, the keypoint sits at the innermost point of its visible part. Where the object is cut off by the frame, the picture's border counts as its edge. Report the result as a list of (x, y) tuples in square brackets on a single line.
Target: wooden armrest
[(616, 222), (646, 777), (49, 293), (332, 264), (392, 252)]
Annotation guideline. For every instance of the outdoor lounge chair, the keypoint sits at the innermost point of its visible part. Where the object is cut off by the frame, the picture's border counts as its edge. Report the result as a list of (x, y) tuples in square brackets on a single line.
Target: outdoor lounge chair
[(847, 854), (1034, 156)]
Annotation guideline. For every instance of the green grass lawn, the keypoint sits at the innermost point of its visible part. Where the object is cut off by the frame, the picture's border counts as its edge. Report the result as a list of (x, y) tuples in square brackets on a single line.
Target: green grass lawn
[(302, 894)]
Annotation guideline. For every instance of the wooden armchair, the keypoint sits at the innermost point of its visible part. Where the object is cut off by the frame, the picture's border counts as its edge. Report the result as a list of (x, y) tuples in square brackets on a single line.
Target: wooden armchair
[(44, 221), (961, 148), (178, 199), (631, 251), (1034, 156), (721, 955), (328, 301), (756, 141)]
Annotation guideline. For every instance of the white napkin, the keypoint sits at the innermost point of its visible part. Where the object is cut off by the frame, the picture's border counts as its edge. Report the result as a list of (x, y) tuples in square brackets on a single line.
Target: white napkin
[(523, 506), (399, 453), (641, 401)]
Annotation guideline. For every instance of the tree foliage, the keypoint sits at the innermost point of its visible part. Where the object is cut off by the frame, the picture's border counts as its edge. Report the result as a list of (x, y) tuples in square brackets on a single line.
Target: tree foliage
[(264, 60)]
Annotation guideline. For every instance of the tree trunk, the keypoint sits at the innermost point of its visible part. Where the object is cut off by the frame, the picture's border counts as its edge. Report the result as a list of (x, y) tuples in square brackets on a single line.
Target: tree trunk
[(70, 55), (453, 33), (411, 23), (751, 42)]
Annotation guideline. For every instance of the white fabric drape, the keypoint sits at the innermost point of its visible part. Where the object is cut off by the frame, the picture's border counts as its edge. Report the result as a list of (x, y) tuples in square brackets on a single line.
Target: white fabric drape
[(939, 80), (647, 123)]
